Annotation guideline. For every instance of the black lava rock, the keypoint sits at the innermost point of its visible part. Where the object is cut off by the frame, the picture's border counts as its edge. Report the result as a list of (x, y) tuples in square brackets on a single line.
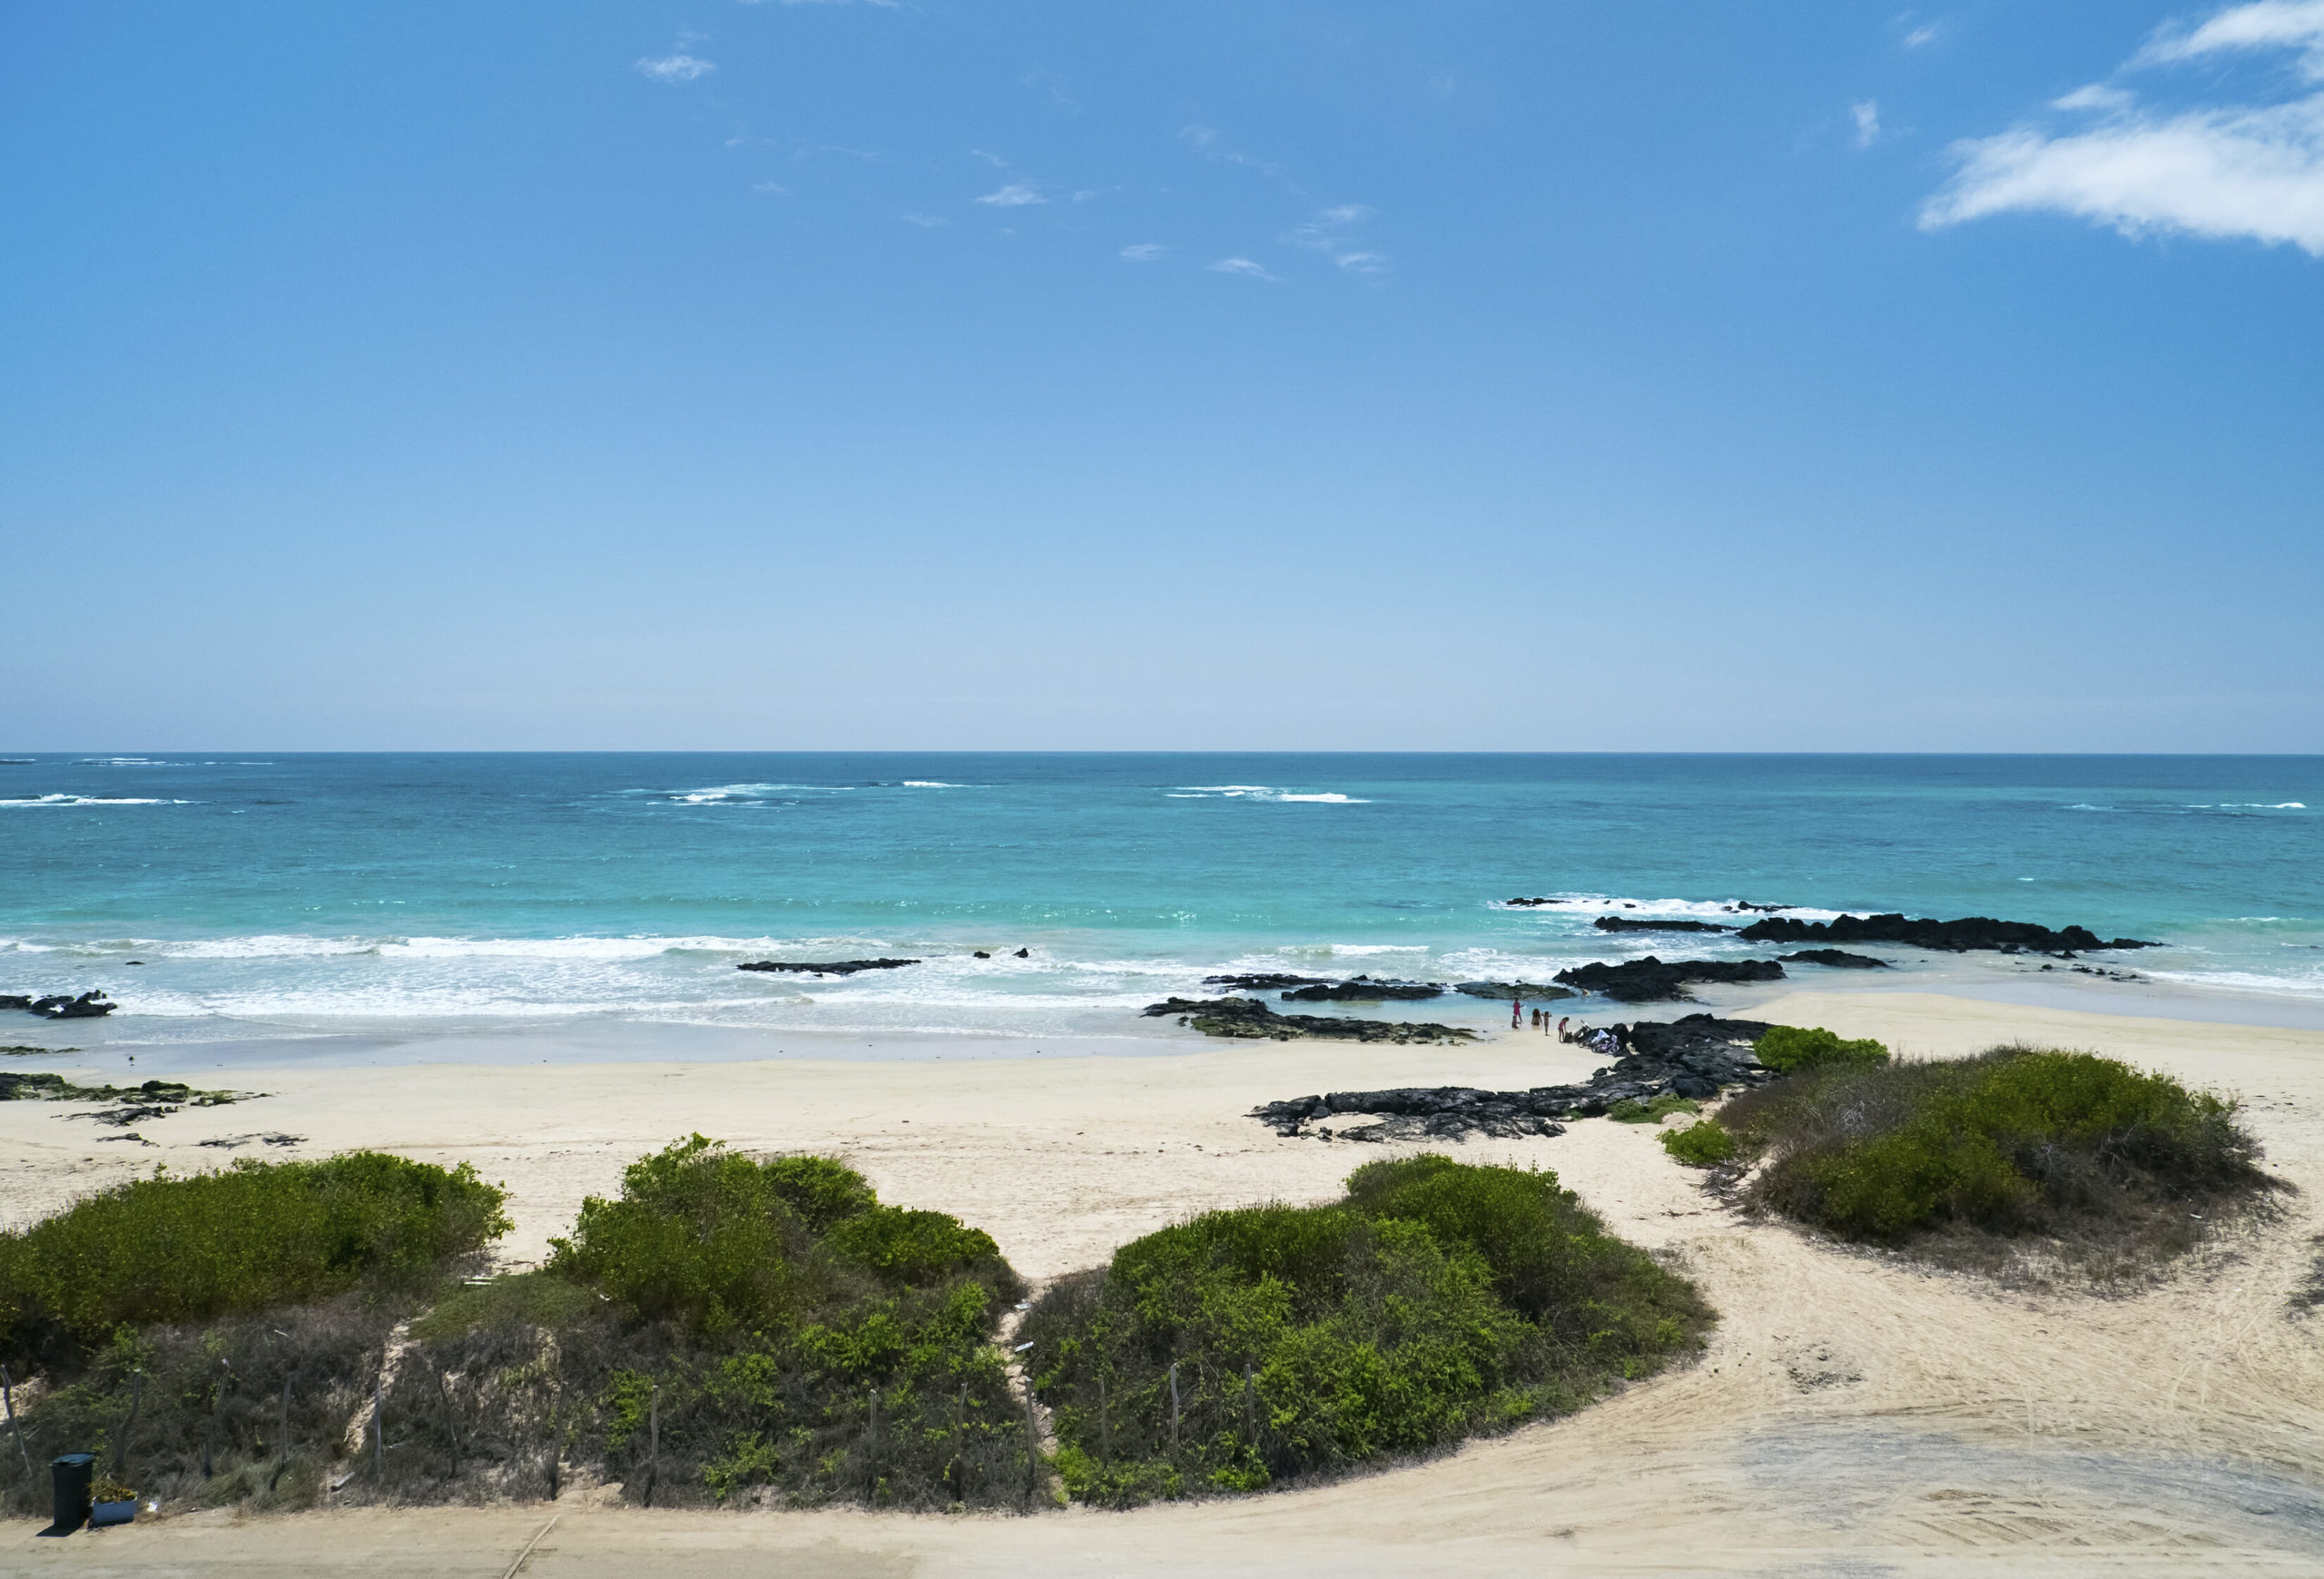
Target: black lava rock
[(1513, 990), (1839, 959), (1649, 980), (1252, 1019), (1953, 937), (60, 1006), (1696, 1057), (827, 967), (1364, 989), (1624, 923)]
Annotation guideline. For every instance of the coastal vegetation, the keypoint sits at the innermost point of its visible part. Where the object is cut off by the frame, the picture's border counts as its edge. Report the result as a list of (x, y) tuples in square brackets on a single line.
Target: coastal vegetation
[(725, 1328), (1976, 1160), (1435, 1300)]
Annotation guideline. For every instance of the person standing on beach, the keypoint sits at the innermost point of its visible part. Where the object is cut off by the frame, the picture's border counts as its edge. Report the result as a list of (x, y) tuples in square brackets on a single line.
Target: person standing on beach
[(1517, 1014)]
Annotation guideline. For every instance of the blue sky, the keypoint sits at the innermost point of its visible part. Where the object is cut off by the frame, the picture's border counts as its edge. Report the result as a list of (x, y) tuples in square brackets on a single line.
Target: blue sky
[(1258, 373)]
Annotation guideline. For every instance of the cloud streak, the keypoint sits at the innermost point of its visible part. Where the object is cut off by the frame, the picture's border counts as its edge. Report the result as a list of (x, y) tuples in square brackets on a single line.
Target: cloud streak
[(1015, 194), (1243, 266), (2222, 172), (675, 67)]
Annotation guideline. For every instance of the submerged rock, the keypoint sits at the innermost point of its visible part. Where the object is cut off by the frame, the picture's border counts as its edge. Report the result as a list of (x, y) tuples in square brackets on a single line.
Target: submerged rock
[(1264, 981), (1252, 1019), (1624, 923), (1513, 990), (1697, 1057), (1839, 959), (60, 1006), (1954, 937), (827, 967), (1649, 980), (1364, 989)]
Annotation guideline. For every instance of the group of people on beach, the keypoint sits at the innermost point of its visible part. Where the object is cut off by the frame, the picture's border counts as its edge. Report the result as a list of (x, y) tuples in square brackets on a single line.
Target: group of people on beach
[(1600, 1040)]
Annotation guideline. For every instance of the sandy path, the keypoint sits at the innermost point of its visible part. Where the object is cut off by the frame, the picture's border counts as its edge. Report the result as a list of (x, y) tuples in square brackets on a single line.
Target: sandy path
[(1851, 1415)]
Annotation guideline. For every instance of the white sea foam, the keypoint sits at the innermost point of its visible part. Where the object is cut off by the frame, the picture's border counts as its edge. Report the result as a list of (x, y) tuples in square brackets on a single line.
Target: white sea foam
[(90, 801), (1259, 791), (933, 784), (1727, 911)]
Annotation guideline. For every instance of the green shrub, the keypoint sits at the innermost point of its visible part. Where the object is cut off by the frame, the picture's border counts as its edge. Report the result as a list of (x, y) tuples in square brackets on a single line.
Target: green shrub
[(1702, 1144), (257, 1235), (792, 1337), (1793, 1048), (1434, 1302), (2011, 1141), (1631, 1110)]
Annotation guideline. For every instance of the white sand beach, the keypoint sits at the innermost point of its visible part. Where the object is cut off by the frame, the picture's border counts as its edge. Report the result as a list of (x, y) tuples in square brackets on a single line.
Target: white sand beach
[(1852, 1414)]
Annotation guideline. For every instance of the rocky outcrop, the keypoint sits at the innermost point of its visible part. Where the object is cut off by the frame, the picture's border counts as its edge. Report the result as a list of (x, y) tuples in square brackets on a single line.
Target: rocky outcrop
[(1953, 937), (137, 1104), (1264, 981), (1364, 989), (1251, 1018), (827, 967), (1513, 990), (1839, 959), (1653, 980), (60, 1006), (1624, 923), (1697, 1057)]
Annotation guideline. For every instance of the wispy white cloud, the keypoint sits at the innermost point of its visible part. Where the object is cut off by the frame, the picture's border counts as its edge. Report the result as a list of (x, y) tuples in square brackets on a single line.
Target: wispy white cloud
[(1243, 266), (2253, 172), (1144, 251), (675, 67), (1329, 230), (1866, 116), (1923, 36), (2264, 24), (1211, 144), (1015, 194), (926, 221), (770, 189)]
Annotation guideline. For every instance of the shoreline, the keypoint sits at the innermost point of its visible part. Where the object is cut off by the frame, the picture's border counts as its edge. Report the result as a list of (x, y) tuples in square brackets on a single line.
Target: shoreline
[(1849, 1404)]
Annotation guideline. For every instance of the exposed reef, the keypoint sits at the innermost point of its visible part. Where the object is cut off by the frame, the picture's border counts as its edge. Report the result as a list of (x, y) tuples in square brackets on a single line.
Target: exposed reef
[(1264, 981), (1251, 1018), (1624, 923), (1956, 937), (1653, 981), (1695, 1057), (1364, 989), (1839, 959), (827, 967), (1513, 990), (60, 1006), (153, 1100)]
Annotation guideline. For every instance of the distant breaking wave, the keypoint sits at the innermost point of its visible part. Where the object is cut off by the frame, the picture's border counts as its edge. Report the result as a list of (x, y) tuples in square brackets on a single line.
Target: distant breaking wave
[(1259, 791), (90, 801)]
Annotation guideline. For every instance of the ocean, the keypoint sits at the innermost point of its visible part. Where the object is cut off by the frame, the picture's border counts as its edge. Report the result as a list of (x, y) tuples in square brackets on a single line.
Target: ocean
[(283, 895)]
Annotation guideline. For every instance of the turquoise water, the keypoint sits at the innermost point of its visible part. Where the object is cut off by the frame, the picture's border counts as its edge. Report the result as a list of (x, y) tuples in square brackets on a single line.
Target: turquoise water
[(299, 893)]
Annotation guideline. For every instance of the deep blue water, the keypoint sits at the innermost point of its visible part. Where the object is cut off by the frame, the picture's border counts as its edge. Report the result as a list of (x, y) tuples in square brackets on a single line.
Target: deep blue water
[(344, 891)]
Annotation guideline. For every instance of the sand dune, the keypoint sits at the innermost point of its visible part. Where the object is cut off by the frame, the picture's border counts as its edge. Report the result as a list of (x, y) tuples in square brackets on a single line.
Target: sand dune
[(1853, 1414)]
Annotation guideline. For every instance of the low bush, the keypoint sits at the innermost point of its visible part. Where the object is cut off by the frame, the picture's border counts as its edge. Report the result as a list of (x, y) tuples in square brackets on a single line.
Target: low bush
[(1435, 1300), (2081, 1149), (726, 1328), (1631, 1110), (178, 1249), (1702, 1144), (1794, 1049)]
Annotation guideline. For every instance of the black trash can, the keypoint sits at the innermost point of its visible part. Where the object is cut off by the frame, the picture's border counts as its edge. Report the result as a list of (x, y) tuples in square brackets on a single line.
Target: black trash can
[(71, 1476)]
